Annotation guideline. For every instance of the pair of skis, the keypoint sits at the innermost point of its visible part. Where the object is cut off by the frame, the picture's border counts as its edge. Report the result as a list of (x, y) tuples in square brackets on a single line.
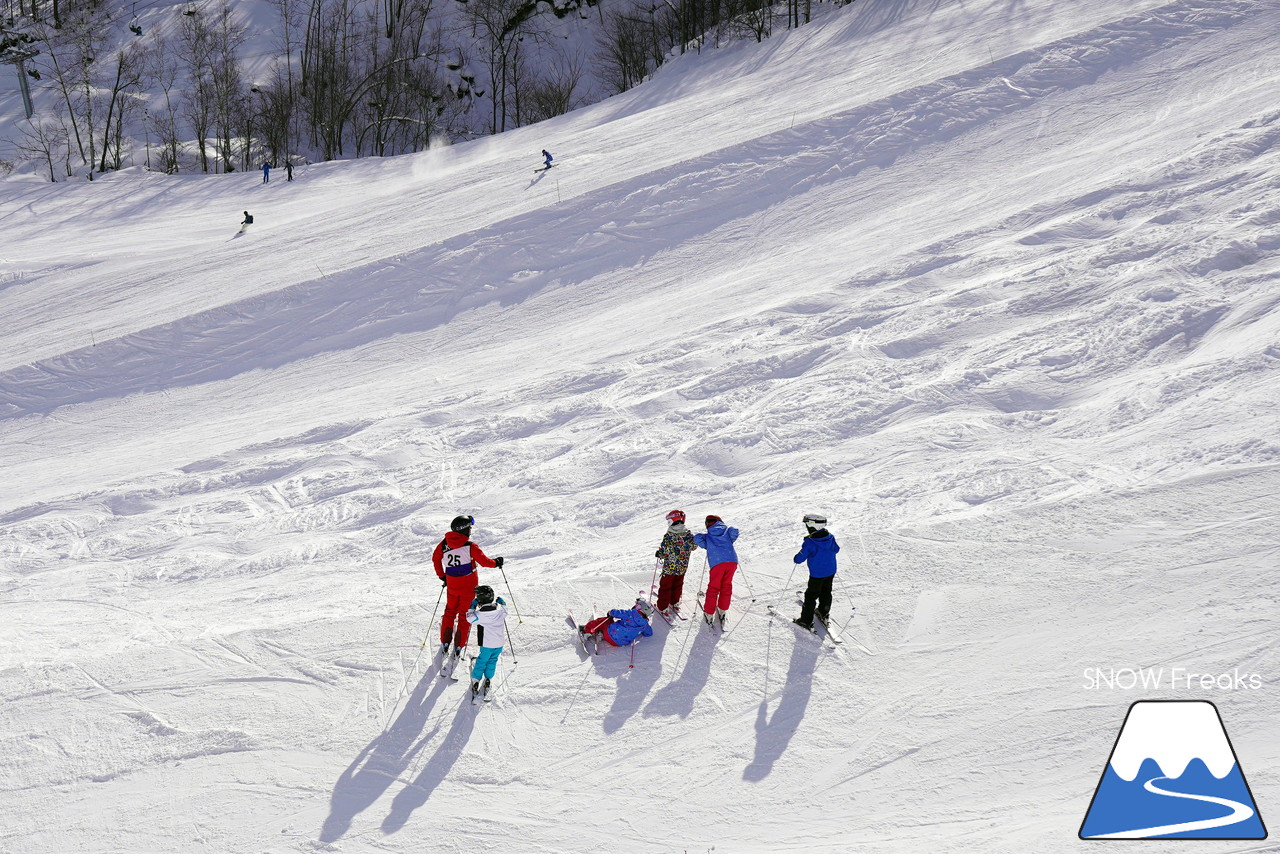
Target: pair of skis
[(828, 632), (478, 692), (583, 636), (450, 656)]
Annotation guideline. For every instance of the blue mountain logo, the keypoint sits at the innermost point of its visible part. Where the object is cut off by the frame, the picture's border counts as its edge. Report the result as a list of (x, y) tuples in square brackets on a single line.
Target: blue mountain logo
[(1173, 774)]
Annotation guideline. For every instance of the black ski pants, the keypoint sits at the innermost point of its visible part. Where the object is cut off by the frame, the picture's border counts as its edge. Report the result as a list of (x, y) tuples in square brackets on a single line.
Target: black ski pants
[(818, 593)]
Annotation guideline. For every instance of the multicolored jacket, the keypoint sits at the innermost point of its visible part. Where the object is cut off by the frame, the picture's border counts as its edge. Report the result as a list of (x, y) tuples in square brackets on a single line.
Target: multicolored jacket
[(677, 545)]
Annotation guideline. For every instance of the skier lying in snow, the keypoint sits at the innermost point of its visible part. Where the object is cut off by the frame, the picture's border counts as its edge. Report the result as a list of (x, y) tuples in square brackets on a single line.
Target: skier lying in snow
[(622, 626)]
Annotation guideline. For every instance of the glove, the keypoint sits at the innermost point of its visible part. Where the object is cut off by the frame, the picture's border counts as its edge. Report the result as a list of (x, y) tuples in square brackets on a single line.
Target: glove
[(444, 581), (501, 601), (498, 562), (658, 553)]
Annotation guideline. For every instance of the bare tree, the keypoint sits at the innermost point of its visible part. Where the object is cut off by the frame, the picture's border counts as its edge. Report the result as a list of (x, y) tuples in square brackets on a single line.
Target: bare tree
[(43, 140), (163, 71), (624, 49), (557, 92), (119, 95)]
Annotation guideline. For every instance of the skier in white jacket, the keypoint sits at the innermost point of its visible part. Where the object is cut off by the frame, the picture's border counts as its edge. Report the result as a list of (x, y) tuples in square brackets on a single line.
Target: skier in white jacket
[(490, 614)]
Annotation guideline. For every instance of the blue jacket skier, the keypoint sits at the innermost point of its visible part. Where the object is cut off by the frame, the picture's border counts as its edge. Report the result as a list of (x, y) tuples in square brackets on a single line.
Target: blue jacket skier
[(547, 157), (819, 551), (723, 559)]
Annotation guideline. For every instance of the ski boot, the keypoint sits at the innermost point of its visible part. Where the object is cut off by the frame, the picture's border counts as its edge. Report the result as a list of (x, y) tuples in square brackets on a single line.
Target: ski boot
[(485, 690)]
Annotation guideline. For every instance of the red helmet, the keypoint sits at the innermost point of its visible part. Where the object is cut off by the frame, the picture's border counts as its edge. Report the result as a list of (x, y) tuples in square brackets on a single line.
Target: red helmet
[(675, 516)]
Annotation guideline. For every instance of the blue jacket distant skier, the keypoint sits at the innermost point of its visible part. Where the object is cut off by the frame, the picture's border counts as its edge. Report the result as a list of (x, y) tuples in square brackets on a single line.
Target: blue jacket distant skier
[(547, 157), (819, 551), (266, 172)]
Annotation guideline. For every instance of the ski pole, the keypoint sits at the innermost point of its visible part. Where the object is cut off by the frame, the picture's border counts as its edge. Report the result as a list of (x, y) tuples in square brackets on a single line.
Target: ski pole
[(433, 617), (519, 619), (653, 584)]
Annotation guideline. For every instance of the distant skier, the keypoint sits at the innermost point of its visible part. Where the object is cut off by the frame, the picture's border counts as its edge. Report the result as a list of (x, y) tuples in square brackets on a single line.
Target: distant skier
[(819, 550), (677, 545), (288, 170), (622, 626), (244, 226), (718, 541), (266, 173), (487, 612), (546, 156), (455, 559)]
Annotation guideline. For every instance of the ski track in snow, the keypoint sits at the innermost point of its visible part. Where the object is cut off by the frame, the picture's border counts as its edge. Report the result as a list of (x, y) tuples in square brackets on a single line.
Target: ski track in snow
[(998, 298)]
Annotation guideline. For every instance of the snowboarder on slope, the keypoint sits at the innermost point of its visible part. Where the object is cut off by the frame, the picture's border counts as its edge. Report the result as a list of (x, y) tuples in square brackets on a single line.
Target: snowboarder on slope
[(677, 545), (455, 559), (622, 626), (244, 225), (546, 155), (718, 541), (819, 550), (487, 612)]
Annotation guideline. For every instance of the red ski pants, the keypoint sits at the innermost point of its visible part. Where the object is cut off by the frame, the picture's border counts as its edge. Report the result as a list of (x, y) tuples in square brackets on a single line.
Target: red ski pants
[(454, 626), (720, 587), (670, 588)]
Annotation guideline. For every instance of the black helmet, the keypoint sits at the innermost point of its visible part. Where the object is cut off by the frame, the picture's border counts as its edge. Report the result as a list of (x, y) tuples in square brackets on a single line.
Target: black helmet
[(815, 521), (484, 595), (462, 524)]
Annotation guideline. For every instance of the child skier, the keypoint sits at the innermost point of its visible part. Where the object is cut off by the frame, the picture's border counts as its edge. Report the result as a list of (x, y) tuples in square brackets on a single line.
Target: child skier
[(677, 545), (622, 626), (490, 613), (718, 541), (819, 550), (455, 559)]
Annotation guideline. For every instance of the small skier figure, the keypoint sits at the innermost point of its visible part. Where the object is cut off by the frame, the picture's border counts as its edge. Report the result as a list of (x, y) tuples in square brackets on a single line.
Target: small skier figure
[(677, 545), (546, 155), (288, 170), (266, 173), (718, 541), (455, 559), (244, 225), (622, 626), (819, 550), (487, 612)]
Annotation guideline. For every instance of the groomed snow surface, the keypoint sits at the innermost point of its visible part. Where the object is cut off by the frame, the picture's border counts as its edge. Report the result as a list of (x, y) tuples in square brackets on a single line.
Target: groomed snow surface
[(992, 284)]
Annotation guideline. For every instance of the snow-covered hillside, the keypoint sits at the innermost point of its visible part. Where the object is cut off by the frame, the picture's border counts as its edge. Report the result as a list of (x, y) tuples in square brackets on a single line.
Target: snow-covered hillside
[(992, 284)]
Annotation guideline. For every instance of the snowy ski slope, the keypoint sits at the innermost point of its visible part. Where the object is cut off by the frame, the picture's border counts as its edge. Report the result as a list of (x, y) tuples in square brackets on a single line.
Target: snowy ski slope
[(992, 284)]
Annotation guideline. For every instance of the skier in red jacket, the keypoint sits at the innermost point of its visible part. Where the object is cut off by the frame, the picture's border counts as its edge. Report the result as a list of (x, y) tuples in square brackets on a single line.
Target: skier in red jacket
[(455, 560)]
